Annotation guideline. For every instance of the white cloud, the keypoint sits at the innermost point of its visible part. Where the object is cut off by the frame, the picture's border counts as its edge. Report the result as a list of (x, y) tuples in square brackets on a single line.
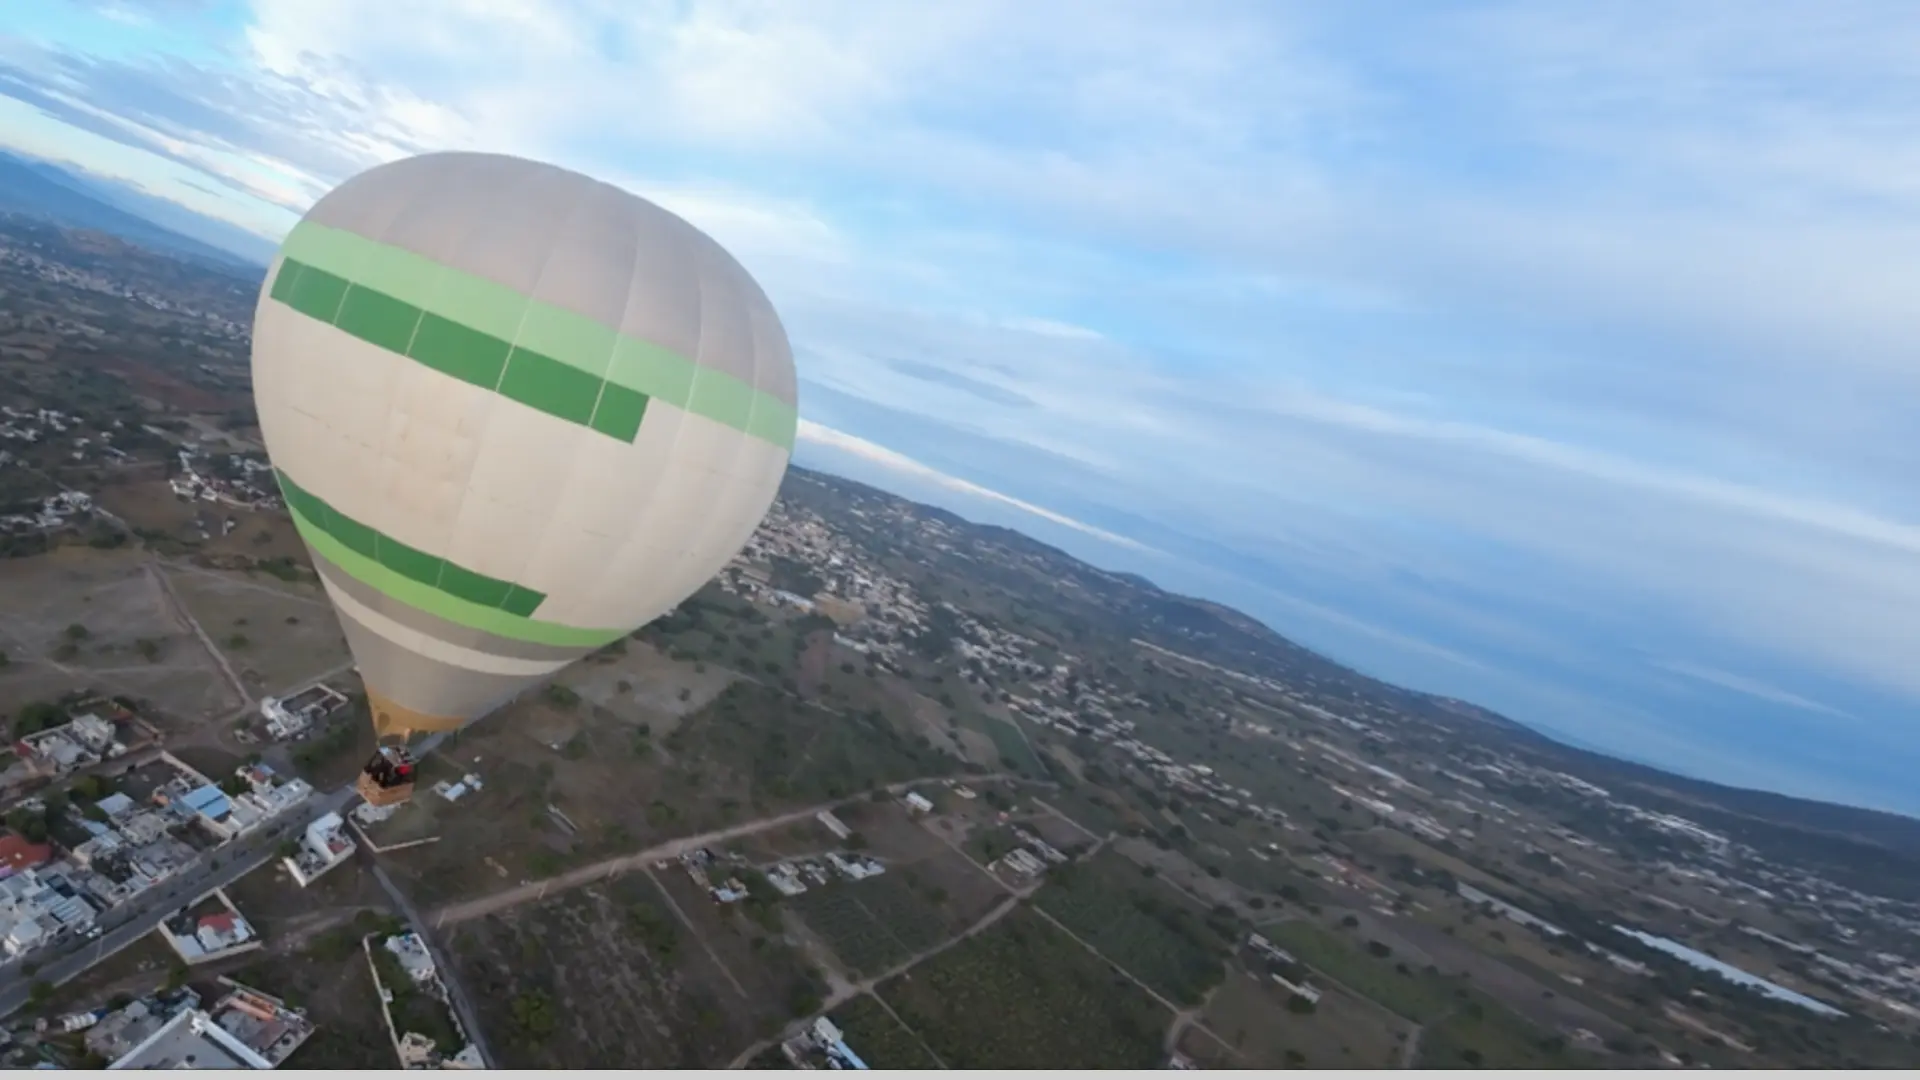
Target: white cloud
[(902, 465), (1052, 328)]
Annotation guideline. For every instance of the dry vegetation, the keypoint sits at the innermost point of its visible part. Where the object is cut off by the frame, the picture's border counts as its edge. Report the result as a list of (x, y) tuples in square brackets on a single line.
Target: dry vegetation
[(607, 977), (79, 617)]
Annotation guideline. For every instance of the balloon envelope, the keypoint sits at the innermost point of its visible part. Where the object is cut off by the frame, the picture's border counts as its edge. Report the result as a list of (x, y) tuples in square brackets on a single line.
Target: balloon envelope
[(515, 413)]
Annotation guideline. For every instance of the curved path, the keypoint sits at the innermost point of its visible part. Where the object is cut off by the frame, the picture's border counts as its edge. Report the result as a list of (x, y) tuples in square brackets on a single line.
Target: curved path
[(639, 860)]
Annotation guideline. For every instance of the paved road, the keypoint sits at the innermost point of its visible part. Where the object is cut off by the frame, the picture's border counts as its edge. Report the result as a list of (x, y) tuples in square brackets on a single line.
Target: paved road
[(127, 923)]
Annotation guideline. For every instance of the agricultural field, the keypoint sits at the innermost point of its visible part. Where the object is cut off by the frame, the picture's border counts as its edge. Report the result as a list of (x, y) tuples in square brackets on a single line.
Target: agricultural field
[(1521, 972), (277, 636), (918, 857), (1178, 870), (1015, 753), (755, 959), (1059, 831), (780, 751), (873, 1033), (603, 978), (1251, 1014), (1158, 936), (1480, 1034), (1390, 844), (1241, 854), (985, 845), (872, 925), (80, 617), (1022, 995), (1094, 809), (1413, 995)]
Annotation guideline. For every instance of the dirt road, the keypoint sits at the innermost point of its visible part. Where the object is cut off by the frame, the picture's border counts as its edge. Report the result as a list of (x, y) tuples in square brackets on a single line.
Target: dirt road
[(165, 585), (535, 890)]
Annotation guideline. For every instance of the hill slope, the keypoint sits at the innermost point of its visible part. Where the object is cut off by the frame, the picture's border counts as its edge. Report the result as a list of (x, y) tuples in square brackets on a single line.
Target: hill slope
[(40, 190)]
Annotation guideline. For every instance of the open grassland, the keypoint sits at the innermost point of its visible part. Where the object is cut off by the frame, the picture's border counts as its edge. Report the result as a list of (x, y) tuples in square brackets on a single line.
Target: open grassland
[(79, 617), (275, 634)]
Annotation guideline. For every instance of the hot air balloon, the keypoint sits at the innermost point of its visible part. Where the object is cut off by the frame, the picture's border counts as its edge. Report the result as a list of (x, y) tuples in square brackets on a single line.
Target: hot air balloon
[(515, 413)]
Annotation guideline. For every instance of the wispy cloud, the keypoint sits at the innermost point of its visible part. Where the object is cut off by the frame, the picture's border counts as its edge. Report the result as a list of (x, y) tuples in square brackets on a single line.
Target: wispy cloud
[(1753, 688), (896, 462)]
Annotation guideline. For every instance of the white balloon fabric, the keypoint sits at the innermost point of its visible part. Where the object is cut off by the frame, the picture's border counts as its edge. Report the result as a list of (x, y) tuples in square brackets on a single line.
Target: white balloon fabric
[(516, 413)]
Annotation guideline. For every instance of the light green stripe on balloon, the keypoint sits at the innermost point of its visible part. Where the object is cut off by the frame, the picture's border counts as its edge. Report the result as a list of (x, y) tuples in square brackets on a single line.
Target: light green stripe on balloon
[(449, 607), (569, 337)]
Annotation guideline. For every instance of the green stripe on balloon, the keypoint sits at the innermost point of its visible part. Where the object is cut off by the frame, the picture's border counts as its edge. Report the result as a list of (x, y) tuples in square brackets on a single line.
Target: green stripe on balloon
[(520, 374), (428, 582), (471, 323)]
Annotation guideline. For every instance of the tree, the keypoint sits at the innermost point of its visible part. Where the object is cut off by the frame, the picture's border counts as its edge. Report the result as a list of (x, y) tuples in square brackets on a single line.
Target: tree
[(77, 632), (533, 1012)]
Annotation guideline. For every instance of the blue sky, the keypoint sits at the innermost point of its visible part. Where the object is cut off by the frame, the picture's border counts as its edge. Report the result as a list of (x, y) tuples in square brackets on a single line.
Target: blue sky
[(1559, 357)]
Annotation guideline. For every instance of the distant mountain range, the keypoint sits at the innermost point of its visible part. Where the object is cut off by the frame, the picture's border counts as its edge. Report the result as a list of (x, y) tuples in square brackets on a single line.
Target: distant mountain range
[(84, 201)]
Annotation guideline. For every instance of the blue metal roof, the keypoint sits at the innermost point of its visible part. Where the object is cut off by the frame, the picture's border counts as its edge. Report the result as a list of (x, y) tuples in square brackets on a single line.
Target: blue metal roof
[(847, 1052), (201, 796)]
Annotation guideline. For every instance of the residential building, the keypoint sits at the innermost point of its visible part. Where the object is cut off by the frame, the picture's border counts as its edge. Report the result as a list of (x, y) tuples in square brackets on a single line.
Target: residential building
[(322, 847), (192, 1040)]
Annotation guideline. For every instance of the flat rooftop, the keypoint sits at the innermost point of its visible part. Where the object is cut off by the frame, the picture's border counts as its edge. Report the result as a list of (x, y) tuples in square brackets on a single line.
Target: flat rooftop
[(179, 1046)]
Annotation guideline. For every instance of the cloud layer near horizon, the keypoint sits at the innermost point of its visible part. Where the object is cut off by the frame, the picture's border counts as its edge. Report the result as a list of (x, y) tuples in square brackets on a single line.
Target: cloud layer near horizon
[(1556, 359)]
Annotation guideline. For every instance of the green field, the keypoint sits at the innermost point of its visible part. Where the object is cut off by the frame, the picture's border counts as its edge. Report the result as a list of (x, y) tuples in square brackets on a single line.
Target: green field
[(871, 925), (1090, 807), (1155, 934), (1416, 996), (1011, 745), (1022, 995), (1481, 1034), (878, 1038)]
